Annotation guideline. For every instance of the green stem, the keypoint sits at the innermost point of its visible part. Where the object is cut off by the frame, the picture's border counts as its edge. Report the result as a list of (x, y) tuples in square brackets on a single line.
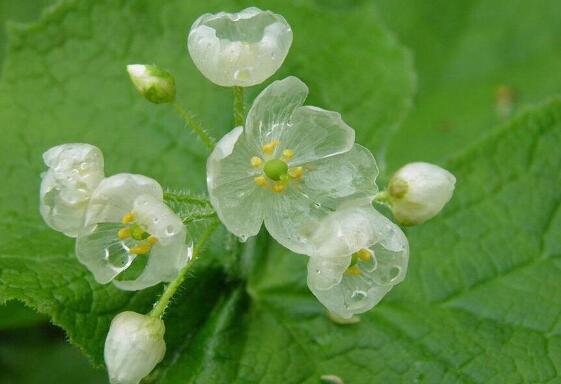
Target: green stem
[(198, 216), (161, 305), (239, 114), (382, 197), (185, 198), (195, 126)]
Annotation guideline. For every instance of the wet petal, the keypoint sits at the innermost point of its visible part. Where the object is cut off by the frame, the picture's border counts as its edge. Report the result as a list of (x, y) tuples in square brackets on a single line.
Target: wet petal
[(271, 111), (316, 133), (238, 201), (115, 195), (344, 293), (75, 170)]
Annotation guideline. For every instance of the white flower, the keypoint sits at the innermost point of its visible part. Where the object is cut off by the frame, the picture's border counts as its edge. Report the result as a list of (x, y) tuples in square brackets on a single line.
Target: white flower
[(130, 236), (418, 191), (360, 256), (74, 172), (239, 49), (289, 167), (154, 84), (133, 347)]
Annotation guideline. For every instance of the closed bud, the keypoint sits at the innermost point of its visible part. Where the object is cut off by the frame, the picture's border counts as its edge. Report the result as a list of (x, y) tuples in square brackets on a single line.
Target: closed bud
[(134, 346), (156, 85), (418, 191)]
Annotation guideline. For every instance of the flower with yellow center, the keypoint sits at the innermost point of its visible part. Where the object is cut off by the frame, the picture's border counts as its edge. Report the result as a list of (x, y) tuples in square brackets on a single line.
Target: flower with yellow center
[(360, 255), (288, 167), (130, 236)]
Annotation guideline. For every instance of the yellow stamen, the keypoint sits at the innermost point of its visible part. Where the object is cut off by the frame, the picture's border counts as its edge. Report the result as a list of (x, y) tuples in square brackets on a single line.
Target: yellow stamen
[(124, 233), (364, 254), (152, 240), (256, 162), (270, 147), (260, 181), (128, 218), (354, 270), (287, 154), (279, 187), (141, 249), (296, 173)]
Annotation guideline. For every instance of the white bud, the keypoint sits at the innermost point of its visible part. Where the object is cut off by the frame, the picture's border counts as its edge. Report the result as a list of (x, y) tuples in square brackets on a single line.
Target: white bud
[(156, 85), (239, 49), (418, 191), (134, 346), (75, 170)]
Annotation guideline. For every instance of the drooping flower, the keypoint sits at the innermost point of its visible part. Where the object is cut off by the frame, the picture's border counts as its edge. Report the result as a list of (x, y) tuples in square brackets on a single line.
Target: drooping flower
[(130, 236), (290, 166), (239, 49), (75, 170), (155, 84), (133, 347), (360, 256), (418, 191)]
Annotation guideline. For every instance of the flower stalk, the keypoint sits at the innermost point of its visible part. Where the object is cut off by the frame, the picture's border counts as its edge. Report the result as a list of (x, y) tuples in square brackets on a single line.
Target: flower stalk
[(239, 113), (195, 126), (161, 305)]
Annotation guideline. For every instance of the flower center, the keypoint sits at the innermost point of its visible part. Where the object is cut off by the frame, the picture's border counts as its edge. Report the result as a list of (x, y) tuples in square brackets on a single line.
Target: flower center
[(363, 255), (132, 230), (275, 169)]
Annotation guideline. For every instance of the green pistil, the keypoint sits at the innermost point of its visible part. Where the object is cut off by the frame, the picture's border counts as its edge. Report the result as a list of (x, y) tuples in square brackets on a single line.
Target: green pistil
[(138, 233), (275, 169)]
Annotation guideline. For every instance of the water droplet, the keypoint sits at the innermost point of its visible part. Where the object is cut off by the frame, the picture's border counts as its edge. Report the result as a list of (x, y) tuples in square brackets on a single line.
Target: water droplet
[(358, 296), (156, 220), (170, 230), (318, 271), (394, 273), (242, 74), (243, 238)]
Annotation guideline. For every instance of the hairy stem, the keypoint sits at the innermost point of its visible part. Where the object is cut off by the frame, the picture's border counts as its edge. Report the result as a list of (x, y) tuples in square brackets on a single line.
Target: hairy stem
[(185, 198), (239, 113), (161, 305), (195, 126)]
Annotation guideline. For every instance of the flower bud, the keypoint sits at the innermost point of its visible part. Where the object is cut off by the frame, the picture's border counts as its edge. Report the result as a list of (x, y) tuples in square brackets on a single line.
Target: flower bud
[(418, 191), (156, 85), (134, 346)]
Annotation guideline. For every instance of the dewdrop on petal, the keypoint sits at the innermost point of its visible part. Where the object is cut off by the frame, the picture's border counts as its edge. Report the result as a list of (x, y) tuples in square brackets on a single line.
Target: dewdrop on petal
[(133, 347), (75, 170), (156, 85), (418, 191), (239, 49)]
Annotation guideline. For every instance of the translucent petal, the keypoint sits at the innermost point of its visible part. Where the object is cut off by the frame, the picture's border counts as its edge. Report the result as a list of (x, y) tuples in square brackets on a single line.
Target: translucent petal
[(325, 187), (115, 195), (238, 201), (239, 49), (271, 111), (173, 249), (74, 172), (349, 175), (315, 133), (346, 294)]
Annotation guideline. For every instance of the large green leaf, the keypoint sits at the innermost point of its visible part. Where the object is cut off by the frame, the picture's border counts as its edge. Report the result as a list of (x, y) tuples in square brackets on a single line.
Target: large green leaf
[(465, 52), (64, 81)]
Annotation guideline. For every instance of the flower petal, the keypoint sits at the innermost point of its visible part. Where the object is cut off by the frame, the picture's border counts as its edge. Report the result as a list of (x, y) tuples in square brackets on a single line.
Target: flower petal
[(239, 49), (115, 195), (271, 111), (316, 133), (74, 172), (172, 251), (346, 294), (238, 201)]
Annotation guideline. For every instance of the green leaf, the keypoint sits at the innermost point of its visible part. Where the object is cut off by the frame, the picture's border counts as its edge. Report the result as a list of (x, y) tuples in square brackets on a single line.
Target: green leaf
[(64, 80), (469, 55)]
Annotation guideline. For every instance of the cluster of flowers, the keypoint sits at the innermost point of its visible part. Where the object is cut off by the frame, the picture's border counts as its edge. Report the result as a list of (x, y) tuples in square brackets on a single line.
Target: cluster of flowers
[(296, 168)]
